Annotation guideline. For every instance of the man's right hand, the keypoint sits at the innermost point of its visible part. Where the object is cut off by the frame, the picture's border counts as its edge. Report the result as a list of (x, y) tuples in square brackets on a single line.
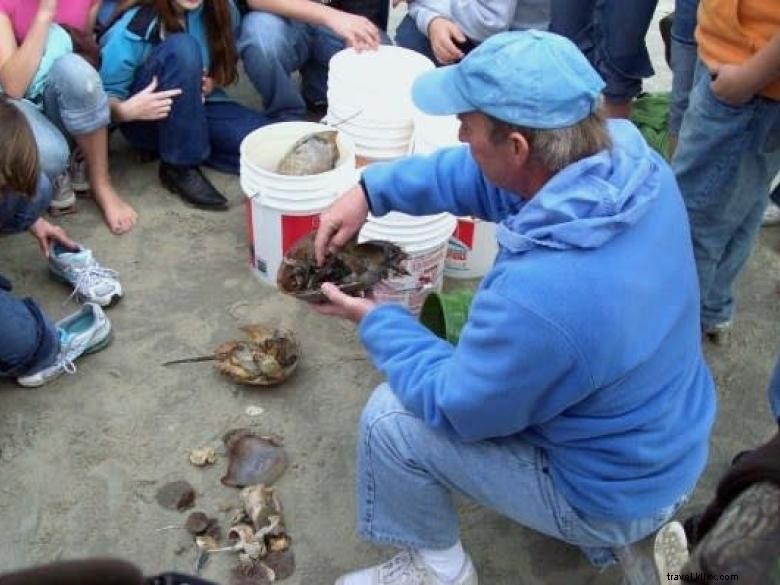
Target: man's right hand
[(443, 35), (148, 104), (356, 31), (340, 222)]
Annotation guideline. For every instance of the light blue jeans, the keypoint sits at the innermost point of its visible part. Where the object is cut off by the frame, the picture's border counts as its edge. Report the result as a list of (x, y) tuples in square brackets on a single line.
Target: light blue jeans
[(774, 391), (725, 161), (406, 471), (74, 103), (272, 47)]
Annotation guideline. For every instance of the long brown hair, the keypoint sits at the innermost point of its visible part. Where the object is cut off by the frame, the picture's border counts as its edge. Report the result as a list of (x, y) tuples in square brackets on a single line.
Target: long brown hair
[(18, 152), (219, 29)]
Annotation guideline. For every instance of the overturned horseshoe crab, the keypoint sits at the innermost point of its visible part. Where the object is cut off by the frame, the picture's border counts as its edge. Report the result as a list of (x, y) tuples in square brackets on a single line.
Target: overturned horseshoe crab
[(354, 269), (310, 155), (269, 357)]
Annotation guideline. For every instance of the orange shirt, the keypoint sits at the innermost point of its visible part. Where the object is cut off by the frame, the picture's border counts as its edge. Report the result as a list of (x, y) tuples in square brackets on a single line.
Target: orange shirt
[(732, 31)]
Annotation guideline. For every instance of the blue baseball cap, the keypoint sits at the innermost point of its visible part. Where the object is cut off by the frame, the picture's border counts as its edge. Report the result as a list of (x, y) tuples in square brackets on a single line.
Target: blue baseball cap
[(529, 78)]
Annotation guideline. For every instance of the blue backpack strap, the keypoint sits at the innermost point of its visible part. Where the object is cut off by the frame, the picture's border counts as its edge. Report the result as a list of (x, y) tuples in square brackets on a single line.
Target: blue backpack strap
[(145, 24)]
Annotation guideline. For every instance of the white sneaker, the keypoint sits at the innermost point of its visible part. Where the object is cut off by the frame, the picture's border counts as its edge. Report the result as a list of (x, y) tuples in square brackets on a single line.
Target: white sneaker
[(771, 215), (407, 568), (670, 551), (63, 195), (86, 331), (91, 282), (79, 174)]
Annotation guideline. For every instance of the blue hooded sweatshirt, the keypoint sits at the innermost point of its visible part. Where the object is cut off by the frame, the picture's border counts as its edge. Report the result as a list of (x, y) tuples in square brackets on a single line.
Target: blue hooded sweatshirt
[(584, 337)]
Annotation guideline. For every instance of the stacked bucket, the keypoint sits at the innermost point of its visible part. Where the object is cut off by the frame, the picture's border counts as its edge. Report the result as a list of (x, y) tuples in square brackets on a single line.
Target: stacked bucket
[(369, 99)]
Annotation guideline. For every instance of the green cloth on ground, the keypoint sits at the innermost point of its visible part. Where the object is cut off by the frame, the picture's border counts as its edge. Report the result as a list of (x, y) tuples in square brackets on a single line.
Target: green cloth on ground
[(650, 113)]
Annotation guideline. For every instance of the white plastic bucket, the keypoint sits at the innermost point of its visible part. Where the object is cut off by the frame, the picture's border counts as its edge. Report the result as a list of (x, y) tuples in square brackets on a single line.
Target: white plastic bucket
[(369, 98), (425, 240), (472, 249), (434, 132), (280, 209)]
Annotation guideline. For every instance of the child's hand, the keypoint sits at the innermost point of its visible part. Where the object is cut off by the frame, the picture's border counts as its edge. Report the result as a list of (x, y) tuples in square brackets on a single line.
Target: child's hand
[(444, 35), (48, 7), (46, 233), (733, 84), (148, 104)]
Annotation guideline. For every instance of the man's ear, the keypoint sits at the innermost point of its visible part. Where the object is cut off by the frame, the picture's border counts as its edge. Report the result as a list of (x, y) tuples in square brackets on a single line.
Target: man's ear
[(520, 147)]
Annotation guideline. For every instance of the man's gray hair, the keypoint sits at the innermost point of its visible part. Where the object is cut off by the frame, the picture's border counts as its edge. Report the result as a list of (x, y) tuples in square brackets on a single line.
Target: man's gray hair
[(558, 148)]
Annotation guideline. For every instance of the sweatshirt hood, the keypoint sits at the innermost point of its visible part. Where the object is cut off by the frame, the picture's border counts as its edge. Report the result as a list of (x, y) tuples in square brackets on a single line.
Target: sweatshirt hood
[(591, 201)]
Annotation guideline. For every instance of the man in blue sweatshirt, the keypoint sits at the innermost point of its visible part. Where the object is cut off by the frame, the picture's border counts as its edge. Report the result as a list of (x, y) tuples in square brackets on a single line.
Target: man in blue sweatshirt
[(577, 401)]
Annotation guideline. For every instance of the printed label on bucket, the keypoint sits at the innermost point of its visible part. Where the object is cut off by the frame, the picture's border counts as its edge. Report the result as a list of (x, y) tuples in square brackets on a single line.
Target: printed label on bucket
[(457, 255), (426, 274), (294, 227)]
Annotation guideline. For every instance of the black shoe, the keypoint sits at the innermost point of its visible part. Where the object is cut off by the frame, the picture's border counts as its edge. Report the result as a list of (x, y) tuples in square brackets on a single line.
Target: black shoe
[(192, 186)]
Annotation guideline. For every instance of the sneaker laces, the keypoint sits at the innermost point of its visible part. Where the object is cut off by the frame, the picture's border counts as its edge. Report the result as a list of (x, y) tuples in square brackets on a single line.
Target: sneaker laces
[(400, 569), (89, 276)]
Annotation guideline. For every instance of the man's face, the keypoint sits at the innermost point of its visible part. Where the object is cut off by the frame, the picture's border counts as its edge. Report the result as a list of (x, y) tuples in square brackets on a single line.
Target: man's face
[(494, 159)]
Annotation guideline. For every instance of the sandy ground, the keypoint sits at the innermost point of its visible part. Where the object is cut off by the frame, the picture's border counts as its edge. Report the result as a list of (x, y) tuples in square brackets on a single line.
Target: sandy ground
[(81, 459)]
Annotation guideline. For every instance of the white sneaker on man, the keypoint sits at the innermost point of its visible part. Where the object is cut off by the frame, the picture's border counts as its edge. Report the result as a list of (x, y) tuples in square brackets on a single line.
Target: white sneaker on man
[(771, 215), (407, 568), (91, 282), (85, 331), (670, 551)]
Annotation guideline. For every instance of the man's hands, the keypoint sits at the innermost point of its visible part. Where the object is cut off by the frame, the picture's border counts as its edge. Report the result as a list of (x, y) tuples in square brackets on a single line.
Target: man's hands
[(734, 84), (46, 233), (339, 222), (343, 305), (357, 32), (443, 35), (147, 104)]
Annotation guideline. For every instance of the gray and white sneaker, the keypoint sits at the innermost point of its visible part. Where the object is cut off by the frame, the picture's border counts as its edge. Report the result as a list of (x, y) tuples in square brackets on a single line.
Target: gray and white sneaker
[(79, 173), (771, 215), (63, 195), (407, 568), (86, 331), (91, 282), (670, 551)]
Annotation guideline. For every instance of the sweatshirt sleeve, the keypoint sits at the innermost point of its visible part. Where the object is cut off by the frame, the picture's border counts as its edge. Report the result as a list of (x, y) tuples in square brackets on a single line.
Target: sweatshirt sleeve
[(510, 370), (424, 11), (480, 19), (448, 180), (121, 54)]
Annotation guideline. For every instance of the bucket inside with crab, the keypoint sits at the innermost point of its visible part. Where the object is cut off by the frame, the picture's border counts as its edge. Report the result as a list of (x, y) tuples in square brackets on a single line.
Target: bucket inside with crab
[(472, 248), (282, 208), (446, 313), (370, 99), (425, 240)]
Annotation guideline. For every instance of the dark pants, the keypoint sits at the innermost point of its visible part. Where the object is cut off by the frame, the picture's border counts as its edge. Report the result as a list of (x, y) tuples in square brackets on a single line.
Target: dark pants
[(194, 132), (611, 33), (28, 338)]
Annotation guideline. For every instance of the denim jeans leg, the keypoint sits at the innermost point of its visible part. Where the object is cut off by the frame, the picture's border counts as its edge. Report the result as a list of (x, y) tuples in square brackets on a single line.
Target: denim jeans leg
[(324, 44), (725, 160), (74, 98), (406, 471), (229, 123), (683, 66), (272, 47), (774, 390), (53, 149), (28, 338), (182, 138), (18, 212), (407, 35)]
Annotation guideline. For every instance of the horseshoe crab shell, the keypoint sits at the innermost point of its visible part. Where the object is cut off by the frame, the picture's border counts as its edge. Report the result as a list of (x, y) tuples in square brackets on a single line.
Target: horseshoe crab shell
[(253, 459), (354, 269), (310, 155), (269, 357)]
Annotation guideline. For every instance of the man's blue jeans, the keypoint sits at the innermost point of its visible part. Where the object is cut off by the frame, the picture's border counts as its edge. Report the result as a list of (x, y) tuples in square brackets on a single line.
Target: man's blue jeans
[(774, 391), (272, 47), (725, 161), (611, 33), (407, 35), (194, 132), (28, 338), (406, 471)]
